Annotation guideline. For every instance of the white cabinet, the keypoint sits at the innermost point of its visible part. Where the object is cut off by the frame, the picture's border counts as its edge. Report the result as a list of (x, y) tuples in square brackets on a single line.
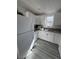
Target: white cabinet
[(50, 36)]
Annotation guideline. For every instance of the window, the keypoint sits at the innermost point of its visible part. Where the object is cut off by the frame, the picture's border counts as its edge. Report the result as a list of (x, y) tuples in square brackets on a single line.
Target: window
[(49, 21)]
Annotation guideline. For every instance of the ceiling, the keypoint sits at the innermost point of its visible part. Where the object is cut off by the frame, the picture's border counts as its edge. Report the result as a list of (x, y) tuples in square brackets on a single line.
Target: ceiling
[(39, 6)]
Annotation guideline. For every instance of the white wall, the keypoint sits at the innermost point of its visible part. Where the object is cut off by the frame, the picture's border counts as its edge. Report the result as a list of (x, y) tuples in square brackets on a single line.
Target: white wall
[(37, 20)]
